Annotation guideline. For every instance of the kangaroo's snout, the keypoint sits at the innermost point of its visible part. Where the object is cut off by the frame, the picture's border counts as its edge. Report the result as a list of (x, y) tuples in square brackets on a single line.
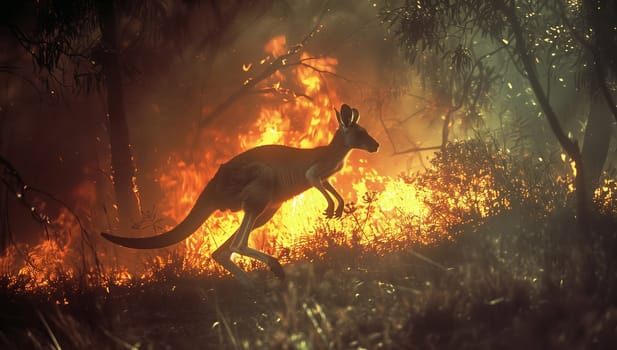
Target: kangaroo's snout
[(374, 148)]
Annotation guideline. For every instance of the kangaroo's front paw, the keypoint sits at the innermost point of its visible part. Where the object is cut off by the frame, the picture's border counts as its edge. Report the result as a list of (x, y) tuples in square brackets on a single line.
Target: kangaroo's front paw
[(339, 212), (329, 212)]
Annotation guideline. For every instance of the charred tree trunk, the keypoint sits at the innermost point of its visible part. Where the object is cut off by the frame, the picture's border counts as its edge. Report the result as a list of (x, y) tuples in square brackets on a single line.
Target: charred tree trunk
[(597, 140), (123, 169)]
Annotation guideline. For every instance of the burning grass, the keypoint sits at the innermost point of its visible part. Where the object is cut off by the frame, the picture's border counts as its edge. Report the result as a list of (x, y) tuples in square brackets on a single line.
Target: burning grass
[(498, 267)]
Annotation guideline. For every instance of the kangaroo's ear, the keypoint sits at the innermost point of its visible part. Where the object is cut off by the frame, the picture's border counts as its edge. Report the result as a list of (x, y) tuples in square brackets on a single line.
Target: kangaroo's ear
[(338, 118), (346, 116), (355, 116)]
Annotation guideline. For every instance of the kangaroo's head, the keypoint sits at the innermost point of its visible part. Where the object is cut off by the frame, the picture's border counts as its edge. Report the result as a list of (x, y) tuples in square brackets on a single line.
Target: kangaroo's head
[(353, 134)]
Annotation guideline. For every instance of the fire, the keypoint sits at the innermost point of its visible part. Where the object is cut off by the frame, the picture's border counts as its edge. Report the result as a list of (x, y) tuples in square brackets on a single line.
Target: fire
[(277, 46), (46, 262), (382, 212), (304, 121)]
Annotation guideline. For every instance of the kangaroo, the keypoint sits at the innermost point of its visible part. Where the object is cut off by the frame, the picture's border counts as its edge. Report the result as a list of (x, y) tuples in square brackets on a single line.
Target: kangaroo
[(257, 181)]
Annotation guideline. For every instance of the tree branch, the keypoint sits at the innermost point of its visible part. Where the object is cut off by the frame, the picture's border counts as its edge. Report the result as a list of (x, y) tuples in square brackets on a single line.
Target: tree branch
[(598, 66), (568, 145), (417, 149), (279, 63), (606, 92)]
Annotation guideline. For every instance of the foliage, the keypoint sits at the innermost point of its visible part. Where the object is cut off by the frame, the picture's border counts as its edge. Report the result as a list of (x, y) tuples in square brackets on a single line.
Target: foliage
[(539, 40), (65, 42), (502, 288), (453, 61), (473, 180), (605, 197)]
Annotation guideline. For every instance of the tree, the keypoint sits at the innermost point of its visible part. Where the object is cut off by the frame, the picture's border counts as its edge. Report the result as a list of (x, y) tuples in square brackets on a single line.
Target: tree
[(74, 45), (592, 25), (460, 86), (519, 28), (96, 46), (123, 166)]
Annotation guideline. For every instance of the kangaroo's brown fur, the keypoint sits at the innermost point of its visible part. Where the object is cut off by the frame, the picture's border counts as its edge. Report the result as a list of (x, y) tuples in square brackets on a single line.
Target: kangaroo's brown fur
[(257, 181)]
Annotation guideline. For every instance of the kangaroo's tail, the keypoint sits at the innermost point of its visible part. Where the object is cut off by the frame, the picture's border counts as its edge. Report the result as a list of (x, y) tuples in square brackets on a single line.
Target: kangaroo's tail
[(201, 211)]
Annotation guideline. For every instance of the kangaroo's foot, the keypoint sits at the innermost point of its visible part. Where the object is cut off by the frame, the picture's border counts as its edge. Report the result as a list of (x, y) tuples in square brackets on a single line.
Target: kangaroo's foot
[(329, 212), (339, 212), (224, 259)]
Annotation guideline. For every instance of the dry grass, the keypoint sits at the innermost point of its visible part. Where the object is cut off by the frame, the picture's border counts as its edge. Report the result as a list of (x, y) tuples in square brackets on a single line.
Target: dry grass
[(520, 276)]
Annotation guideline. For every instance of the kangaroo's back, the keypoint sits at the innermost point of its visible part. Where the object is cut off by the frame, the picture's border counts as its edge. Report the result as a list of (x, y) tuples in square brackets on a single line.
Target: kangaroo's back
[(285, 166)]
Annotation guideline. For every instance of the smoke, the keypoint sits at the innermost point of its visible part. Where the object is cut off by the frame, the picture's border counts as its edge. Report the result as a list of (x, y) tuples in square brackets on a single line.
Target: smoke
[(166, 107), (61, 144)]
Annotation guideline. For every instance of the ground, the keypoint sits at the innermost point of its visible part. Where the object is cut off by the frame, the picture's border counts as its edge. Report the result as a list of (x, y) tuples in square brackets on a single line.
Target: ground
[(464, 293)]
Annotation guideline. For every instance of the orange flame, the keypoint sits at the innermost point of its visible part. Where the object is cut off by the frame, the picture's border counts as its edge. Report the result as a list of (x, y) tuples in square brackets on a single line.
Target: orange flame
[(305, 121), (305, 118)]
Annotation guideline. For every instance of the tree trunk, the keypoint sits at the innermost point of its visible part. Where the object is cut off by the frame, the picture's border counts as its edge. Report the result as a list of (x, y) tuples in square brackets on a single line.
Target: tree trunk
[(123, 169), (445, 129), (4, 225), (597, 140), (570, 147)]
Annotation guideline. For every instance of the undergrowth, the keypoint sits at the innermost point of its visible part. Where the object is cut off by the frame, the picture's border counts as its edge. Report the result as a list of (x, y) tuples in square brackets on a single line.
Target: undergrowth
[(513, 272)]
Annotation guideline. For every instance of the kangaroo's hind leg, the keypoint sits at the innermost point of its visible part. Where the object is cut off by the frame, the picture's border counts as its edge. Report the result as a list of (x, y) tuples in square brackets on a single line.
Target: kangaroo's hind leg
[(222, 254), (240, 245)]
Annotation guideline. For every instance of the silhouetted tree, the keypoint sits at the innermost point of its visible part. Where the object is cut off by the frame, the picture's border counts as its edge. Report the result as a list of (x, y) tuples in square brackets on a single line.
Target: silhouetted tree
[(74, 44), (97, 45)]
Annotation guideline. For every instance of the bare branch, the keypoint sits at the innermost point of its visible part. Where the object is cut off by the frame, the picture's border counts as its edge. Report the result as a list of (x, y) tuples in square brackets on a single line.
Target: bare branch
[(412, 115), (28, 81), (13, 181), (279, 63), (606, 92), (282, 91), (417, 149)]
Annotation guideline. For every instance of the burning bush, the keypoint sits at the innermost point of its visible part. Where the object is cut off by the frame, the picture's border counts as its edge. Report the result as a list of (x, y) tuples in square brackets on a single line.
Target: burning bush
[(472, 180)]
